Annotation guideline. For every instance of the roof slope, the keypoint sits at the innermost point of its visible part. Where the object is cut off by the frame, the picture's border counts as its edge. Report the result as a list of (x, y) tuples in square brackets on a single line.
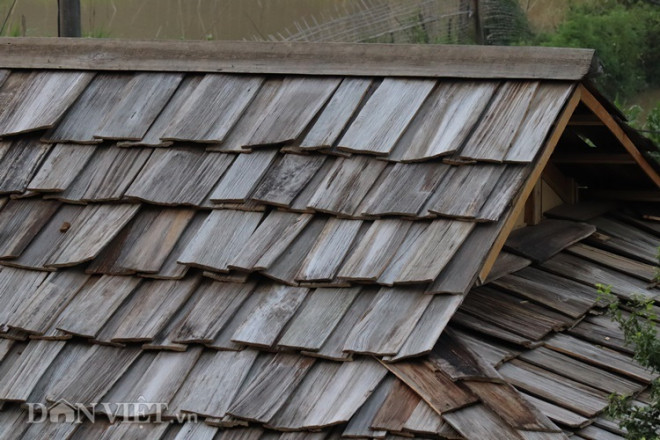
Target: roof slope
[(265, 248)]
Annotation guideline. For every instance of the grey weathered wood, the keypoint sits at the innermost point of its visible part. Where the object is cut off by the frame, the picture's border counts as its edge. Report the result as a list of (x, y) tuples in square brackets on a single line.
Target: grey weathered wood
[(107, 175), (220, 238), (456, 360), (83, 316), (162, 121), (396, 409), (215, 305), (385, 116), (389, 322), (506, 264), (243, 176), (617, 262), (548, 238), (273, 236), (458, 61), (582, 211), (20, 221), (622, 239), (143, 98), (371, 255), (429, 327), (565, 392), (60, 168), (360, 424), (425, 421), (403, 190), (541, 115), (276, 307), (489, 350), (596, 433), (196, 431), (464, 190), (145, 431), (19, 161), (270, 388), (557, 413), (176, 176), (223, 340), (329, 250), (213, 383), (88, 112), (212, 108), (493, 135), (336, 114), (504, 193), (171, 269), (345, 185), (41, 100), (428, 254), (444, 121), (287, 178), (296, 102), (469, 322), (90, 233), (477, 421), (317, 318)]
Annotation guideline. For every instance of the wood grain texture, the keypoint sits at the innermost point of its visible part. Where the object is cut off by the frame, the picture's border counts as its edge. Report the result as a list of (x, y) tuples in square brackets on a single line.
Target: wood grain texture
[(19, 161), (502, 197), (299, 58), (389, 322), (88, 112), (385, 116), (61, 167), (212, 108), (277, 305), (506, 264), (179, 176), (40, 100), (444, 120), (142, 100), (611, 260), (360, 423), (220, 238), (287, 178), (557, 413), (459, 362), (396, 409), (425, 421), (477, 421), (542, 241), (336, 114), (20, 221), (243, 176), (492, 138)]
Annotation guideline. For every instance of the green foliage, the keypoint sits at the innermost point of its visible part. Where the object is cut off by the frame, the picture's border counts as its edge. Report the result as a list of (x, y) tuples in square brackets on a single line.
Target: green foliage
[(649, 127), (639, 330), (626, 36)]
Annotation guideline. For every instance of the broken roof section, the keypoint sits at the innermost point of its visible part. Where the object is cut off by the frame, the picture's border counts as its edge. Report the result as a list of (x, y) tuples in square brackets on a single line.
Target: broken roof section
[(293, 232)]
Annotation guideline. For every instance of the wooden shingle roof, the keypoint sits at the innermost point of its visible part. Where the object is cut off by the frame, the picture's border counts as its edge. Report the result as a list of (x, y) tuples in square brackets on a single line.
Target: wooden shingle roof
[(284, 241)]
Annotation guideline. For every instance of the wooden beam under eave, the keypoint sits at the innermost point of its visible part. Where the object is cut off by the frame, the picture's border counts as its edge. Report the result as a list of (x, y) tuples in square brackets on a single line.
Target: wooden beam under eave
[(601, 112), (528, 187)]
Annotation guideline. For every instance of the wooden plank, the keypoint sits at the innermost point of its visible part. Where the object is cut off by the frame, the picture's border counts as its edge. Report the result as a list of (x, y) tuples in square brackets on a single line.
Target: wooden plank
[(243, 176), (506, 264), (196, 431), (543, 110), (429, 327), (295, 104), (389, 321), (444, 121), (360, 424), (82, 315), (214, 306), (435, 388), (146, 431), (41, 100), (548, 238), (20, 221), (277, 305), (595, 433), (213, 383), (287, 178), (375, 250), (212, 108), (219, 239), (107, 175), (595, 106), (143, 98), (332, 245), (425, 258), (534, 206), (88, 112), (456, 61), (603, 358), (61, 167), (557, 413), (261, 398), (396, 409), (273, 236), (403, 190), (190, 175), (425, 421), (335, 116), (477, 421), (90, 233), (345, 185), (619, 263), (223, 340), (490, 351), (581, 212), (317, 318), (19, 162), (451, 356), (560, 390), (504, 193), (385, 116), (622, 239)]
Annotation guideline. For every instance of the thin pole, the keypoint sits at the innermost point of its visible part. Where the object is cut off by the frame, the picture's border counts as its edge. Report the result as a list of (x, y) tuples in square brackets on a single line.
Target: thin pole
[(68, 24)]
